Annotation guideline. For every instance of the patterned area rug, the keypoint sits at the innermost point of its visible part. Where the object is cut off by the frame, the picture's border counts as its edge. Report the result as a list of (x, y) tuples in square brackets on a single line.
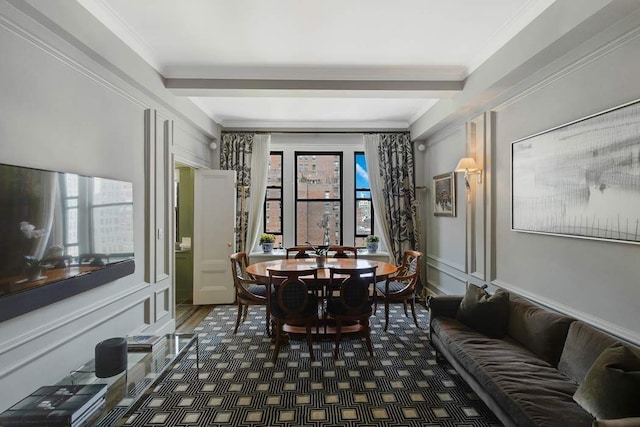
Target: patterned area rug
[(402, 385)]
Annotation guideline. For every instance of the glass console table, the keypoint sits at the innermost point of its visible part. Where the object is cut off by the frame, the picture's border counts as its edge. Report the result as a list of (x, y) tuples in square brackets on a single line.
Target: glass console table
[(125, 391)]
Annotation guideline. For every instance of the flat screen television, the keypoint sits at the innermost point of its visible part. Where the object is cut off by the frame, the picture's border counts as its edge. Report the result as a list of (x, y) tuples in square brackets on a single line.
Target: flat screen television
[(60, 234)]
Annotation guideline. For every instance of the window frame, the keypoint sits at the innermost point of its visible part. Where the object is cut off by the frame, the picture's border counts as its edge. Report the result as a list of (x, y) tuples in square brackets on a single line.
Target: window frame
[(280, 199)]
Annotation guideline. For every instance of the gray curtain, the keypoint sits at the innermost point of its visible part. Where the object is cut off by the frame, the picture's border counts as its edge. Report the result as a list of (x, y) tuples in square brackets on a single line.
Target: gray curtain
[(395, 195), (235, 154)]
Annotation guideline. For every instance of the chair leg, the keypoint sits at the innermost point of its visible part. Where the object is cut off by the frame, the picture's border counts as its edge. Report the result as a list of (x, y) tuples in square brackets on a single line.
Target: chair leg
[(276, 350), (246, 311), (268, 321), (338, 337), (386, 315), (310, 341), (404, 305), (413, 311), (375, 303), (239, 316), (367, 334)]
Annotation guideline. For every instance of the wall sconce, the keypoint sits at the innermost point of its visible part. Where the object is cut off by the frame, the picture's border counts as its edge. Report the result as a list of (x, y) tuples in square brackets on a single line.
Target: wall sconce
[(213, 145), (469, 167)]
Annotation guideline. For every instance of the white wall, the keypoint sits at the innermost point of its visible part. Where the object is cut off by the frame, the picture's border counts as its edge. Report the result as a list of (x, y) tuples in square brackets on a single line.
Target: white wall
[(592, 280), (63, 107)]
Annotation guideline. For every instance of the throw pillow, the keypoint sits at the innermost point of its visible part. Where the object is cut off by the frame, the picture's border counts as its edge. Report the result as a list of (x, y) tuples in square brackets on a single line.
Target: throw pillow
[(485, 313), (612, 385)]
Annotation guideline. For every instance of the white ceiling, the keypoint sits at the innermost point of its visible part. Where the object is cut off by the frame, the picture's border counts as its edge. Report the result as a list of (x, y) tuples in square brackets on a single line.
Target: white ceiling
[(315, 63)]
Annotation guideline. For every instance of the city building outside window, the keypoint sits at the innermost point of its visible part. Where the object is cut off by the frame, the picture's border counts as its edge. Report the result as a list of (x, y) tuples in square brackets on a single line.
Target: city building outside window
[(318, 194), (363, 203)]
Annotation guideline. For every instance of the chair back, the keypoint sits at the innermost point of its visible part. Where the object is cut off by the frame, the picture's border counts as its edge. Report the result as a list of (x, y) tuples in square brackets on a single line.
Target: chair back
[(355, 289), (410, 263), (406, 278), (299, 251), (239, 262), (291, 291), (344, 251)]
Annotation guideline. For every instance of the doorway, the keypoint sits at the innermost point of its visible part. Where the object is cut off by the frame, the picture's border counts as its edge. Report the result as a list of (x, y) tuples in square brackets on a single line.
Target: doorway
[(183, 214)]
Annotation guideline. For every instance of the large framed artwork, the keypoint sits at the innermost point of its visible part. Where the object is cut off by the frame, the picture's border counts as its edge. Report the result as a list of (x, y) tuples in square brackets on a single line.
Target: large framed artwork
[(444, 194), (581, 179)]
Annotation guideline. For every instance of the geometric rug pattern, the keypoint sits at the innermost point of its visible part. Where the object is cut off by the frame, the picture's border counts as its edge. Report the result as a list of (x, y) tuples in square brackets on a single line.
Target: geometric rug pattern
[(237, 385)]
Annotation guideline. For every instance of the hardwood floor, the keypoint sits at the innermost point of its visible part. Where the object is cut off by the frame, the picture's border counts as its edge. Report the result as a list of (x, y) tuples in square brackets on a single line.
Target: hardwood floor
[(189, 316)]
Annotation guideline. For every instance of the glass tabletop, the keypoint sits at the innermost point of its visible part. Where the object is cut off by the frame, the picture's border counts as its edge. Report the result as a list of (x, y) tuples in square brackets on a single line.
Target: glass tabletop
[(143, 369)]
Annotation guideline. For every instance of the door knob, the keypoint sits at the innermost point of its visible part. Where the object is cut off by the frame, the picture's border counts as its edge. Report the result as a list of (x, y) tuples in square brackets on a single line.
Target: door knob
[(228, 244)]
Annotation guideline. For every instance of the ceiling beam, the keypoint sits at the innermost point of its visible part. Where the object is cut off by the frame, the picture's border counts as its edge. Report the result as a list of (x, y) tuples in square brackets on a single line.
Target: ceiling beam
[(321, 88)]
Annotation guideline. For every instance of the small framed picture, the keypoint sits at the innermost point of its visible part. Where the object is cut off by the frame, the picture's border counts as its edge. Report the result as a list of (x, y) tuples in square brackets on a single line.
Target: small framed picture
[(444, 194)]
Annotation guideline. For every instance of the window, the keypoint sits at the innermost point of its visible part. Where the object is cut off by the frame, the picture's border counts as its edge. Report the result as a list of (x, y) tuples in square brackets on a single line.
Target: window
[(318, 196), (363, 204), (69, 191), (107, 226), (273, 200), (111, 215)]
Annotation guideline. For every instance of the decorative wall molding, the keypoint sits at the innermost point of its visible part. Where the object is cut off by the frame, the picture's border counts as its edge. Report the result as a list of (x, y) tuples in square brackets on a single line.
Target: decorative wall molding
[(70, 62), (63, 321), (526, 88), (436, 261), (434, 289), (86, 327), (161, 303), (617, 330)]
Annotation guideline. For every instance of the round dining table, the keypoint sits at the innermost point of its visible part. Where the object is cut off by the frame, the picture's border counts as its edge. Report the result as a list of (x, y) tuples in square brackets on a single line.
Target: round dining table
[(260, 270)]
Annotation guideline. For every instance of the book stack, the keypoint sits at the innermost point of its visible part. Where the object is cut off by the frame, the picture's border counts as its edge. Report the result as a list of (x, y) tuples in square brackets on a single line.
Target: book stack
[(56, 405), (144, 342)]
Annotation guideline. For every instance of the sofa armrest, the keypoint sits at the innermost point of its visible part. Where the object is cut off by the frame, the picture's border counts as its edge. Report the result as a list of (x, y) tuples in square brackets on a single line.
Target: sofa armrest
[(443, 305)]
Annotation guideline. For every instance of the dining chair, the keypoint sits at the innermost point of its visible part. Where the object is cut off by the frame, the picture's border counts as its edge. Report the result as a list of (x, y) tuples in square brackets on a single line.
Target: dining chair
[(248, 291), (292, 302), (401, 286), (344, 251), (300, 252), (353, 304)]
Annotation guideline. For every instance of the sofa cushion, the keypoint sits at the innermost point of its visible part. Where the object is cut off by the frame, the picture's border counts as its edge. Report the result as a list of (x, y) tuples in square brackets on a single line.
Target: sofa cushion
[(582, 347), (528, 389), (612, 385), (483, 312), (540, 330)]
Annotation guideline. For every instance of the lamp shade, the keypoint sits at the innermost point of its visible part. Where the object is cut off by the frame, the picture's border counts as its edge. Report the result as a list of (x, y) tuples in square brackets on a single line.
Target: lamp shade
[(466, 164)]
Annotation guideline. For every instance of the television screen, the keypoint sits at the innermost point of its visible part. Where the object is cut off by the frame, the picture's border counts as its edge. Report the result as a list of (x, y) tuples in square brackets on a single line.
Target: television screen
[(56, 226)]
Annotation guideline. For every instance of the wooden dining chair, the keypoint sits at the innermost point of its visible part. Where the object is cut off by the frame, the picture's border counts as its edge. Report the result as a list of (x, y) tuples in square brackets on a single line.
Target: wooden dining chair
[(401, 286), (248, 291), (292, 303), (354, 302), (344, 251), (299, 251)]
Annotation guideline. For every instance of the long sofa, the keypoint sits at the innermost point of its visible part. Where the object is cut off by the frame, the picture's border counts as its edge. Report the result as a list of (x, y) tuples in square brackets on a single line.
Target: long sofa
[(528, 373)]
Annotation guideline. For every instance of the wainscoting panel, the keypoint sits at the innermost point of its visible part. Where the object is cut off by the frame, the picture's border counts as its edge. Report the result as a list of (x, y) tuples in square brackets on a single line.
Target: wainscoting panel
[(162, 299), (161, 198), (445, 277)]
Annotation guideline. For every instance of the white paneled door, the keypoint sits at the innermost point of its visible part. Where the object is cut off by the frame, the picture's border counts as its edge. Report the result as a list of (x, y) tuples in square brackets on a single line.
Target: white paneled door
[(213, 236)]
